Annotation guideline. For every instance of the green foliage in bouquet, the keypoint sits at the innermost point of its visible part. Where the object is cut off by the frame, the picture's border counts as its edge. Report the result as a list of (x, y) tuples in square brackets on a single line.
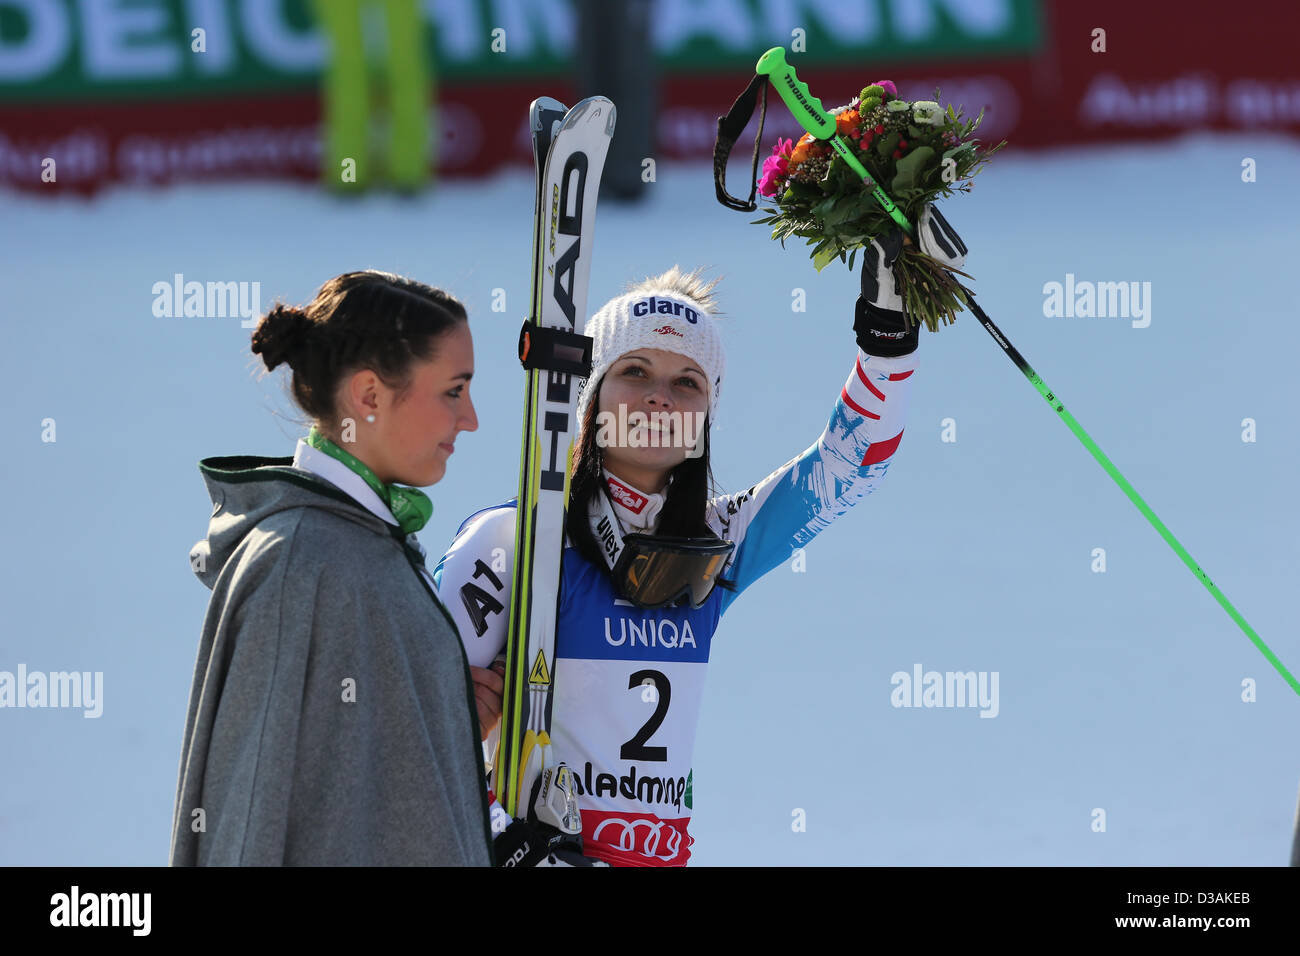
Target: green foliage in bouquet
[(917, 152)]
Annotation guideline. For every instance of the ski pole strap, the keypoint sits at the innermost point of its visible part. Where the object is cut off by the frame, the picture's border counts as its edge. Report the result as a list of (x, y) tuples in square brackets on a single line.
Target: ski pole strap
[(729, 129), (555, 350)]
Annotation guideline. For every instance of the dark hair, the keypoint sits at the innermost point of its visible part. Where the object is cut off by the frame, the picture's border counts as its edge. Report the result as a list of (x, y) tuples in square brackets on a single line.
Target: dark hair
[(366, 319), (683, 513)]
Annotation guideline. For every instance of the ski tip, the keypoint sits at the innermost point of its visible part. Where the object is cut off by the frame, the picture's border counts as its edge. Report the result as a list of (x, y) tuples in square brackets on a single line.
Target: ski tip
[(543, 104), (591, 108)]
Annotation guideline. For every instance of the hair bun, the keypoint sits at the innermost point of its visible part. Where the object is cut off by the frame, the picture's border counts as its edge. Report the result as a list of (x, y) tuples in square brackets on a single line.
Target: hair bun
[(280, 334)]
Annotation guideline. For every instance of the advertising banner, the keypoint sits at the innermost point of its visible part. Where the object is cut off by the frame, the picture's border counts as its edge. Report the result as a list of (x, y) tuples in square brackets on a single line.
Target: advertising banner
[(160, 91)]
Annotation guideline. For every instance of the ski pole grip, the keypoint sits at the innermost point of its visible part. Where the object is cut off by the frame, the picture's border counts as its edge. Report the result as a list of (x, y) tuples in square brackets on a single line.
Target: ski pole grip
[(805, 107), (808, 110)]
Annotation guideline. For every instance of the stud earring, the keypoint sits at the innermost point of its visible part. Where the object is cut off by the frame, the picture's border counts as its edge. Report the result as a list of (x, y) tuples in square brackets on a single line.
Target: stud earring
[(371, 419)]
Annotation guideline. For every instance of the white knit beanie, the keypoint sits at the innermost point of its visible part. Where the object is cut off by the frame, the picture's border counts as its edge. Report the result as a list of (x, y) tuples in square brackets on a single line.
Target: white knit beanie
[(651, 319)]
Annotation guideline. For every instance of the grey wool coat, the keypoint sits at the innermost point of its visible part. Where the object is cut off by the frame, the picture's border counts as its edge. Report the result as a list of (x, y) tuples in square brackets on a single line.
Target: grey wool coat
[(331, 719)]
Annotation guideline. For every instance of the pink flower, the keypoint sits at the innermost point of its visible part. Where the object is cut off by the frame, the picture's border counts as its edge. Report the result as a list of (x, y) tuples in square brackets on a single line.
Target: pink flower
[(888, 87), (775, 168)]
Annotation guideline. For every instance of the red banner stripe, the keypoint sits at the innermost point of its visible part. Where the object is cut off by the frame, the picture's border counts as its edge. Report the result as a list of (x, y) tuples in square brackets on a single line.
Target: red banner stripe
[(899, 376)]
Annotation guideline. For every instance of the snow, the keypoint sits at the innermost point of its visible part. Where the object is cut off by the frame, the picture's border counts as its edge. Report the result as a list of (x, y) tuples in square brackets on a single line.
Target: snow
[(1120, 691)]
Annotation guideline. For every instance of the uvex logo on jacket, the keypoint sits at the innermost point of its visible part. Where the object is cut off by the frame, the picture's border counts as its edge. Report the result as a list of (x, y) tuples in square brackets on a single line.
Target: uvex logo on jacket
[(607, 541)]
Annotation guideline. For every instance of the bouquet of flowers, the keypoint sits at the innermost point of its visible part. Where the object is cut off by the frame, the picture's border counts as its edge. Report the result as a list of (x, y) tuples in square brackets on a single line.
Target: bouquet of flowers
[(916, 152)]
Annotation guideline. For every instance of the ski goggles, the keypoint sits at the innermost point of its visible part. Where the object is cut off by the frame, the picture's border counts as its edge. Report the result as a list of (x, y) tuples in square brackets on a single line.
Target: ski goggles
[(654, 571)]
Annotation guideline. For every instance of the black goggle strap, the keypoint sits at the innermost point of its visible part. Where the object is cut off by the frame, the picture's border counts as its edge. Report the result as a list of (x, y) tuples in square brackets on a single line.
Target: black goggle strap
[(729, 129)]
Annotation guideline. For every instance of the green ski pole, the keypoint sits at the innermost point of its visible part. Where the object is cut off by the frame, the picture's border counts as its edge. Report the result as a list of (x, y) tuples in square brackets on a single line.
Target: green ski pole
[(808, 110)]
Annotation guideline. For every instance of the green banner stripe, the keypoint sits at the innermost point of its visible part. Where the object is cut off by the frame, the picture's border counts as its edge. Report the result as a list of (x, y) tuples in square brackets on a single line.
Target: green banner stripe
[(60, 49)]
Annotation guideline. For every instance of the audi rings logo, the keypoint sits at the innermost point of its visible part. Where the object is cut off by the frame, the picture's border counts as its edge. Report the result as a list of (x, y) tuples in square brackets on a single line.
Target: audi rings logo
[(649, 833)]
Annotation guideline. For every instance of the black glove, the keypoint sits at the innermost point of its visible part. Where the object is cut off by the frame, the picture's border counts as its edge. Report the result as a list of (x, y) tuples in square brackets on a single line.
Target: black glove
[(551, 833), (529, 843), (878, 317), (524, 844)]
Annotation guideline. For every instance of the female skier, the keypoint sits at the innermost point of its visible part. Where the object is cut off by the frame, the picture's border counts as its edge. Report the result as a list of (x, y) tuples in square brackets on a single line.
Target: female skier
[(646, 545), (331, 719)]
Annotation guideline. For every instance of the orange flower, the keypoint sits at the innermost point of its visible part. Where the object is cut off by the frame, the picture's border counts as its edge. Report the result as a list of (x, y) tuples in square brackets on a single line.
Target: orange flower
[(846, 121), (800, 152)]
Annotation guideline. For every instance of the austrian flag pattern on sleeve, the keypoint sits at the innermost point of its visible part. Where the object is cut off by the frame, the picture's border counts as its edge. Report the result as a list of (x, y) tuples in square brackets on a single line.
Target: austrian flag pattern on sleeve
[(869, 401)]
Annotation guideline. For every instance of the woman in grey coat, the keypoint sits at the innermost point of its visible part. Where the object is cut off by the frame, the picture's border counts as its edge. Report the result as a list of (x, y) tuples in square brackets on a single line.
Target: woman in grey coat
[(332, 716)]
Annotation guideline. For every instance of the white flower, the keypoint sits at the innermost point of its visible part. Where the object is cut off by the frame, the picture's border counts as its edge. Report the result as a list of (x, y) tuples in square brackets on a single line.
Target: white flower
[(927, 111)]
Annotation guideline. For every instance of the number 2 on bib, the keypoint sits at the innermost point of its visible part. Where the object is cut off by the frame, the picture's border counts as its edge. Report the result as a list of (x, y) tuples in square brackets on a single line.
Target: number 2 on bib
[(636, 749)]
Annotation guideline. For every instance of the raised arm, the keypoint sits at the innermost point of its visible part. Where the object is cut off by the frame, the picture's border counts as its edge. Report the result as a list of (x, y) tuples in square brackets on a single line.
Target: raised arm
[(850, 459), (789, 507)]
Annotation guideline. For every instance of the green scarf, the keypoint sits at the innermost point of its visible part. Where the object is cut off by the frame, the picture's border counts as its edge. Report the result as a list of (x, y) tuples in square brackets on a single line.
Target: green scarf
[(411, 507)]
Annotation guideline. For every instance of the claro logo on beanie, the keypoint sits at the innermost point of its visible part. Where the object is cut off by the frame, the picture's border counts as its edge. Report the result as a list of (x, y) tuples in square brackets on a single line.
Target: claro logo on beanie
[(655, 306)]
